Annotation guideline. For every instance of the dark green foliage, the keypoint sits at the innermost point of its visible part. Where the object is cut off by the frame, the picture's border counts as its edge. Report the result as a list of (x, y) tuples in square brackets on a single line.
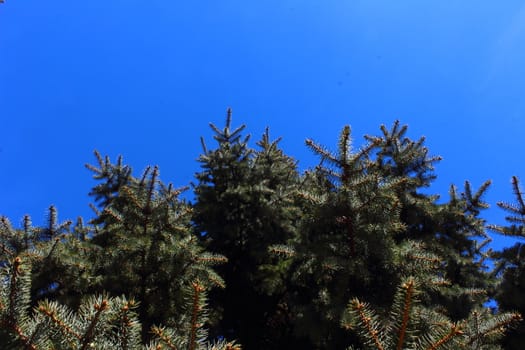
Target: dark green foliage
[(510, 265), (144, 244), (407, 326), (363, 211), (58, 254), (346, 246), (244, 205), (411, 326), (352, 253), (141, 245), (453, 230), (101, 322)]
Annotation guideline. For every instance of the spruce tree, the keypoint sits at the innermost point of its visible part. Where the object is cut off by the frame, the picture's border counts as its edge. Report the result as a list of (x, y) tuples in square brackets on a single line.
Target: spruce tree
[(362, 210), (140, 244), (346, 247), (59, 254), (510, 265), (145, 245), (245, 205), (453, 230), (100, 322), (409, 325), (354, 252)]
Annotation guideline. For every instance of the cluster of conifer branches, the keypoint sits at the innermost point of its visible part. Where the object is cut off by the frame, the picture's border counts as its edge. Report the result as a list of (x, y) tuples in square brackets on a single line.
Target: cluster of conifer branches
[(353, 253)]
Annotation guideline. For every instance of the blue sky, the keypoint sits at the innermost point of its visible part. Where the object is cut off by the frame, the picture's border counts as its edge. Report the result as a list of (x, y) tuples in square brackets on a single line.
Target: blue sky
[(144, 79)]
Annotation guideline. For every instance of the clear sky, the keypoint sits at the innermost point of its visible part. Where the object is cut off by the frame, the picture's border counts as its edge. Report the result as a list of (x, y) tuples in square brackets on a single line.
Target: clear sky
[(144, 79)]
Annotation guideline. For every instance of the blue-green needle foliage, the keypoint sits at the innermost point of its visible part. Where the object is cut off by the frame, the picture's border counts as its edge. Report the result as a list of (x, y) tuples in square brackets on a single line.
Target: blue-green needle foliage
[(367, 224), (510, 264), (409, 325), (245, 204), (140, 244), (354, 252), (101, 322), (144, 245)]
